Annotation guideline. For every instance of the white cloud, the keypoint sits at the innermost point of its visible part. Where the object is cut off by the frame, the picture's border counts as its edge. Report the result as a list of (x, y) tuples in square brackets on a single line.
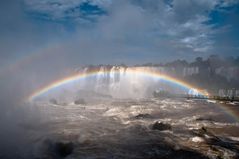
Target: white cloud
[(60, 9), (161, 29), (228, 3)]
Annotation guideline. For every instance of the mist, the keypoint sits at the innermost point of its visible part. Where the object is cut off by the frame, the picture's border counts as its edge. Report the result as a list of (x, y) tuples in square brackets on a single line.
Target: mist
[(43, 42)]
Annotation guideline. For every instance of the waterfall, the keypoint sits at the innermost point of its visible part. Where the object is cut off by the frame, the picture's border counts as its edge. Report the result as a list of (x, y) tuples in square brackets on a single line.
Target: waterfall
[(121, 81), (118, 82)]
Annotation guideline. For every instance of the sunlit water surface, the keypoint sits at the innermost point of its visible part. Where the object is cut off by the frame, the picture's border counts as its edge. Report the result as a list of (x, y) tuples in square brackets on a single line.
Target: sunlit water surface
[(115, 128)]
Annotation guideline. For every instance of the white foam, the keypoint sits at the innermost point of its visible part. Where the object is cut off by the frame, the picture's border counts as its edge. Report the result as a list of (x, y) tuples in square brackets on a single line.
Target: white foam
[(211, 101), (197, 139), (234, 138)]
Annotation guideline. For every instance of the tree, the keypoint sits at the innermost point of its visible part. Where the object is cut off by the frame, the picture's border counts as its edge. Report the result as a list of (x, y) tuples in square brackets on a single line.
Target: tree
[(199, 59)]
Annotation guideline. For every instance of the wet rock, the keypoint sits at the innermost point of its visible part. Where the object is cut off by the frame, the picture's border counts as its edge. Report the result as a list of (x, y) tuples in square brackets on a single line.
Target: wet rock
[(161, 126), (57, 149), (218, 142), (204, 119), (142, 116), (182, 154), (63, 149), (53, 101), (80, 101), (201, 132)]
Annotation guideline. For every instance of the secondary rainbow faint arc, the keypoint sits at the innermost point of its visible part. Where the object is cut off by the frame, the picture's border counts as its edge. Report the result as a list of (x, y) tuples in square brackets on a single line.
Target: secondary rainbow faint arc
[(78, 76)]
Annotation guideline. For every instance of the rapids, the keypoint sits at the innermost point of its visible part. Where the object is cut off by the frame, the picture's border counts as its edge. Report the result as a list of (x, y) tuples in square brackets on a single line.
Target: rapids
[(116, 128)]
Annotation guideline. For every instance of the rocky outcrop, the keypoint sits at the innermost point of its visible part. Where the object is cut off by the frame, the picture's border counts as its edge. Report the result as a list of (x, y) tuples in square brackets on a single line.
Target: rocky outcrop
[(53, 101), (80, 101), (161, 126), (57, 149), (143, 116)]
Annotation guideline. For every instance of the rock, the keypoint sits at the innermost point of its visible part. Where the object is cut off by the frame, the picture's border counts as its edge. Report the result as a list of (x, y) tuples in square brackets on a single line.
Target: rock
[(63, 149), (142, 116), (161, 126), (185, 153), (204, 129), (53, 101), (80, 101), (204, 119), (56, 149)]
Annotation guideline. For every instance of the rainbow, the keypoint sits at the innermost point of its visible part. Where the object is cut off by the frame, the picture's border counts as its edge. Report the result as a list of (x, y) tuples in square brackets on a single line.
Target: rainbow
[(147, 73), (79, 76), (28, 59)]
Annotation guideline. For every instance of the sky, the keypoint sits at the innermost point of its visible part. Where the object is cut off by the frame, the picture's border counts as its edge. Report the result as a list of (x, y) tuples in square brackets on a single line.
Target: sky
[(82, 32)]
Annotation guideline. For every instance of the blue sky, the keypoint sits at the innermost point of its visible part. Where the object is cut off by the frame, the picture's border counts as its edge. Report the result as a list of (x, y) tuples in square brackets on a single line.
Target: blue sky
[(113, 31)]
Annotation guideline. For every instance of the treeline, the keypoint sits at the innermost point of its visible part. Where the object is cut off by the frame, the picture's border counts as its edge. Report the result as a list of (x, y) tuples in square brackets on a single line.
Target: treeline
[(213, 61)]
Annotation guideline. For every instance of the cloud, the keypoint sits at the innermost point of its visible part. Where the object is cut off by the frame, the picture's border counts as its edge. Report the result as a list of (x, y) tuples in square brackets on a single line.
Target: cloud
[(62, 10), (124, 31), (229, 3)]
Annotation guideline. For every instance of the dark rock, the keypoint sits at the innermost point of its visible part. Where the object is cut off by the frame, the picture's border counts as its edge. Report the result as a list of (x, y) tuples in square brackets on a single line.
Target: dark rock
[(204, 119), (201, 132), (204, 129), (64, 149), (182, 154), (80, 101), (56, 149), (53, 101), (142, 116), (161, 126)]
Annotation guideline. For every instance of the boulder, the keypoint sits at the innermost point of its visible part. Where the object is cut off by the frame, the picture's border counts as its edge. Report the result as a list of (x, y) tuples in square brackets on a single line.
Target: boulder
[(143, 116), (63, 149), (56, 149), (53, 101), (80, 101), (161, 126)]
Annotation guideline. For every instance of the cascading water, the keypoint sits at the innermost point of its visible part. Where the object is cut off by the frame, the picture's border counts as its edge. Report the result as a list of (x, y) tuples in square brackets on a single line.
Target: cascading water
[(118, 82)]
